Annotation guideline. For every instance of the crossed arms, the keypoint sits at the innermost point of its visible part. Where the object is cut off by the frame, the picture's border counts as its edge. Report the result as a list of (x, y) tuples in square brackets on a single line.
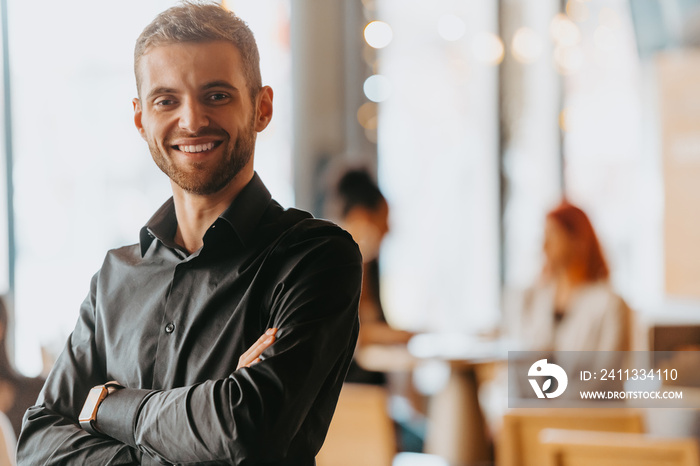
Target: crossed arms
[(254, 415)]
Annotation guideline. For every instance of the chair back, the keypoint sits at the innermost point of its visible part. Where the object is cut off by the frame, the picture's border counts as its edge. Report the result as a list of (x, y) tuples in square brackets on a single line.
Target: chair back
[(579, 448), (518, 443), (361, 432)]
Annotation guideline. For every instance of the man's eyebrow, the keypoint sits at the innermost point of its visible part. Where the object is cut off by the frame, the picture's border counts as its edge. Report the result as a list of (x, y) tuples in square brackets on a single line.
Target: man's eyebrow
[(223, 84), (211, 85), (160, 90)]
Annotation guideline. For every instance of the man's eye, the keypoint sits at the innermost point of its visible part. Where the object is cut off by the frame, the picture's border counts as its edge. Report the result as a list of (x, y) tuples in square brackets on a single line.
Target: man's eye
[(218, 97), (164, 102)]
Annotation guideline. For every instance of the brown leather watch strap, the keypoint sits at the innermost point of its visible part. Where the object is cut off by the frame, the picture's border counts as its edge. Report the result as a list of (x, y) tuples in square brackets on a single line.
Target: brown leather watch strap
[(88, 415)]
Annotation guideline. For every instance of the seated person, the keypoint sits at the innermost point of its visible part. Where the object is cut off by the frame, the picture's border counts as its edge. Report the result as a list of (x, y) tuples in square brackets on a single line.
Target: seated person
[(573, 306), (361, 209)]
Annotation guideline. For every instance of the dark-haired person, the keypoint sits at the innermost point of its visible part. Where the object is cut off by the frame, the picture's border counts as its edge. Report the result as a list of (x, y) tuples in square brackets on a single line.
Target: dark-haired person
[(362, 211), (573, 307), (167, 364), (360, 208)]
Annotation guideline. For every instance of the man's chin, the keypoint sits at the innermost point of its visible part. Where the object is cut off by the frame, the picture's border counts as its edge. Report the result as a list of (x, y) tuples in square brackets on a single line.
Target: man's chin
[(200, 177), (199, 189), (202, 187)]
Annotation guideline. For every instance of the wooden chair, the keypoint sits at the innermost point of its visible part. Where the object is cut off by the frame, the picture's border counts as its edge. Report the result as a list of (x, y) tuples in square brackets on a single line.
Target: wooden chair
[(361, 432), (518, 443), (681, 347), (579, 448)]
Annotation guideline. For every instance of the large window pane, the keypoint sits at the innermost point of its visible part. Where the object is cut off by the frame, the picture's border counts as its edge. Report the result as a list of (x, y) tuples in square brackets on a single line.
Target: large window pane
[(611, 160), (438, 163)]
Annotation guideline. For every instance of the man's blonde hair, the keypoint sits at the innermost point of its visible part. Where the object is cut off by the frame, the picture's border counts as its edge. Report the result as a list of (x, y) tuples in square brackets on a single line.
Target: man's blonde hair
[(202, 22)]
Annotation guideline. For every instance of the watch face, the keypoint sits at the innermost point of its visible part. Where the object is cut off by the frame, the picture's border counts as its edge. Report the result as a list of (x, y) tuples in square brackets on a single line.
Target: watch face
[(92, 402)]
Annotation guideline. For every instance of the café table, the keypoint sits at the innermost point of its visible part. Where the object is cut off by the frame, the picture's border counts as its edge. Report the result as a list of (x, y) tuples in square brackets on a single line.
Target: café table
[(456, 428)]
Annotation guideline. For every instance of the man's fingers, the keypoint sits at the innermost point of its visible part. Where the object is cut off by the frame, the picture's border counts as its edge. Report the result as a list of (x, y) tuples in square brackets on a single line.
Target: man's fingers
[(254, 362), (252, 355), (262, 344)]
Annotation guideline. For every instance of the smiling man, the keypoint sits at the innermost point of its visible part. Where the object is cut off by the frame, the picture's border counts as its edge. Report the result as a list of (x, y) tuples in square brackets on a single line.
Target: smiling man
[(167, 364)]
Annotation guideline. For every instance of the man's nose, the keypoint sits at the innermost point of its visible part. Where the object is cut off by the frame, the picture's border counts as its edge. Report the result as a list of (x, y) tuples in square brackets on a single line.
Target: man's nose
[(193, 116)]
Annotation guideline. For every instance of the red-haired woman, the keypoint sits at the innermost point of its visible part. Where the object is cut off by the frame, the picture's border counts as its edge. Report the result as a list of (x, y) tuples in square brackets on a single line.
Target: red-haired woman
[(573, 307)]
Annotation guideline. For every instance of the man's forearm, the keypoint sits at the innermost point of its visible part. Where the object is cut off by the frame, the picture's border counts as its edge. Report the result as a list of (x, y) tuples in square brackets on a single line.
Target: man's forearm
[(252, 416), (185, 425), (49, 439)]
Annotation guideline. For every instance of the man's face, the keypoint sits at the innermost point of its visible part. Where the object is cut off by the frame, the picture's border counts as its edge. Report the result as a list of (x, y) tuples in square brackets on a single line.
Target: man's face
[(196, 113)]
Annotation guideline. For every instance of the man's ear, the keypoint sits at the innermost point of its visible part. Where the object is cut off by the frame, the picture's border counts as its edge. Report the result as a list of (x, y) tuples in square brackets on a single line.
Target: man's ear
[(263, 108), (137, 117)]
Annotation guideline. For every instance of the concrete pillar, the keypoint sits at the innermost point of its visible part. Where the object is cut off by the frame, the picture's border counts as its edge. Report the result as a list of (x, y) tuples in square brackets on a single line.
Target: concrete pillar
[(328, 72)]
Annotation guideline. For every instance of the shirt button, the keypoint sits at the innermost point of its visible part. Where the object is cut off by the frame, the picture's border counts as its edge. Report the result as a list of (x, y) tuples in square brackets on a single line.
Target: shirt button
[(170, 327)]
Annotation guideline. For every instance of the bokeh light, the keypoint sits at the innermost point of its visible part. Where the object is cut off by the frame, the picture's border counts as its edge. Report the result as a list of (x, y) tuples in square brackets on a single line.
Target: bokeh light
[(564, 31), (577, 11), (367, 115), (377, 88), (527, 45), (378, 34), (488, 48)]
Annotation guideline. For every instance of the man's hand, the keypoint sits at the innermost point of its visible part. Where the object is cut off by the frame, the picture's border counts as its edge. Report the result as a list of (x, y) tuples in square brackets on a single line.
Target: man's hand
[(252, 356)]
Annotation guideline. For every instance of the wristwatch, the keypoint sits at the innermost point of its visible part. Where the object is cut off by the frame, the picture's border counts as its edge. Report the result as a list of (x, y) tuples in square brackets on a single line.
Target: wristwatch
[(88, 415)]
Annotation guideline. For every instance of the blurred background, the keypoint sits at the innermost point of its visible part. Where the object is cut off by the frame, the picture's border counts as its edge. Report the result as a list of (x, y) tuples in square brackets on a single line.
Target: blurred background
[(476, 118)]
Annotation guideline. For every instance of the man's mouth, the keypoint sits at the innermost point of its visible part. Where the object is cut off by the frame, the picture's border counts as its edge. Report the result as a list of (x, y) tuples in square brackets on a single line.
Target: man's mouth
[(196, 148)]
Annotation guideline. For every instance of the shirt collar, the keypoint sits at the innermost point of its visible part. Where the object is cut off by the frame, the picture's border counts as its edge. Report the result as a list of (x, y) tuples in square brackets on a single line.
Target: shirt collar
[(246, 210), (243, 215)]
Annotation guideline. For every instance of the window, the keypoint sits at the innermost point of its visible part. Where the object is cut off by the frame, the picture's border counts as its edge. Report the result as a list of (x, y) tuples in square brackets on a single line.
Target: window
[(438, 163)]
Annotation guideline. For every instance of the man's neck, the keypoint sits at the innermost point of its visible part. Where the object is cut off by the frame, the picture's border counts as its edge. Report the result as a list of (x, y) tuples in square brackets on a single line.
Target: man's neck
[(196, 213)]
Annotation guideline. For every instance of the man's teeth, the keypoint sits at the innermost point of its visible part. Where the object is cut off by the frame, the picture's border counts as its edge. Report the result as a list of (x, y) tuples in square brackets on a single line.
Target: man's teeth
[(197, 148)]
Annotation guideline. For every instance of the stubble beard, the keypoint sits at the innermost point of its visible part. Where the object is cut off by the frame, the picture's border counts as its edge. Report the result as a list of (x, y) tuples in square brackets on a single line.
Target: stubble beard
[(202, 178)]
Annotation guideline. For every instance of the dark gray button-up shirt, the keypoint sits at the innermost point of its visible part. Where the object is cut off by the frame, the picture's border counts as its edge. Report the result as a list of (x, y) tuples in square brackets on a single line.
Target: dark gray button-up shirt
[(171, 326)]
